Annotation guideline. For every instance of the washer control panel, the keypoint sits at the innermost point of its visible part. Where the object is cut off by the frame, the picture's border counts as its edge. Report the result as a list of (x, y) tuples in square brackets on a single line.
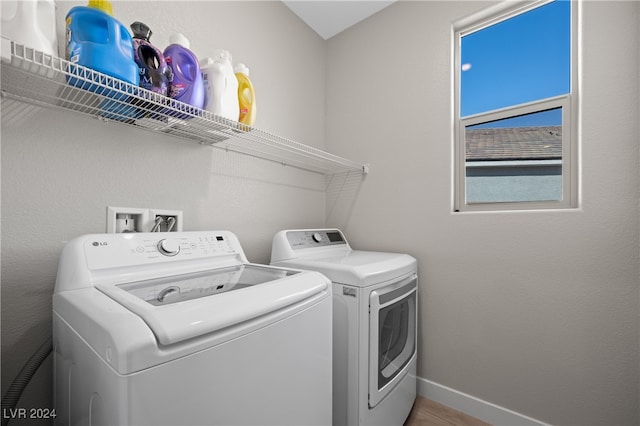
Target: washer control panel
[(315, 238), (131, 249)]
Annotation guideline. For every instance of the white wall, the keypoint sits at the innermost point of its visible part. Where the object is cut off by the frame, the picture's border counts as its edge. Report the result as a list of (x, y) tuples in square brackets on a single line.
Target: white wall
[(533, 311), (60, 171)]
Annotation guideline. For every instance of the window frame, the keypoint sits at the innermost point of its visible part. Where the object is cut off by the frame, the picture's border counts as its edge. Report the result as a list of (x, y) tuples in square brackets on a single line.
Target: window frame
[(568, 102)]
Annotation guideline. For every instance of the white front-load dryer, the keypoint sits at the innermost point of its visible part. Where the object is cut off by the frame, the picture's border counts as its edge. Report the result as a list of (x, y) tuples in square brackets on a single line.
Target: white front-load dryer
[(374, 323), (180, 329)]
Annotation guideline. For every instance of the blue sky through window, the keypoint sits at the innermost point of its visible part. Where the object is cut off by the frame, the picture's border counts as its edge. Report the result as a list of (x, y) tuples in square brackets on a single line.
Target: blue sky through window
[(522, 59)]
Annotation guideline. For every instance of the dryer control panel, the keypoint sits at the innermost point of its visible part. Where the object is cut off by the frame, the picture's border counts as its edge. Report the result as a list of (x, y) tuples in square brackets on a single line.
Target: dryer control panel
[(296, 243), (315, 238)]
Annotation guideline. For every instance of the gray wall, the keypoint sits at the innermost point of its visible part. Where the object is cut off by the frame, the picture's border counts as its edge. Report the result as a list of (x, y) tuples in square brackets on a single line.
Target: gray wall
[(533, 311), (60, 171)]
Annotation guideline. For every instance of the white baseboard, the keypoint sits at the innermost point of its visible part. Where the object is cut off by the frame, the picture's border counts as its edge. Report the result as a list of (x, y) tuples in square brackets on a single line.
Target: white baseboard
[(483, 410)]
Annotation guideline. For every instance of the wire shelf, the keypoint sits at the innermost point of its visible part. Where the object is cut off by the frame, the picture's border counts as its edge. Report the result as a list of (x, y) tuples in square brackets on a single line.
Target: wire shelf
[(37, 78)]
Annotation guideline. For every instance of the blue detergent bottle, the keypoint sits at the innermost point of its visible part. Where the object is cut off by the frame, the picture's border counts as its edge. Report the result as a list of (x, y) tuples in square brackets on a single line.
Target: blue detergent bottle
[(186, 84), (97, 40)]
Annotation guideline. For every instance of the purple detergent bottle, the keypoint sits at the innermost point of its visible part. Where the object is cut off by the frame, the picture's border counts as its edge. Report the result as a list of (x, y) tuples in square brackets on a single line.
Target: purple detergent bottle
[(154, 71), (186, 85)]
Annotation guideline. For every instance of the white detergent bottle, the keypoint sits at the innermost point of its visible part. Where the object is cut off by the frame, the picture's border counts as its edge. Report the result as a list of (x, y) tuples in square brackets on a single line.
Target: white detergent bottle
[(31, 23), (221, 85)]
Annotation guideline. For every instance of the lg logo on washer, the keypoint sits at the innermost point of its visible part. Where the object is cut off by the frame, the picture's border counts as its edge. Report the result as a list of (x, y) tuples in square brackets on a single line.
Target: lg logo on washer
[(99, 243)]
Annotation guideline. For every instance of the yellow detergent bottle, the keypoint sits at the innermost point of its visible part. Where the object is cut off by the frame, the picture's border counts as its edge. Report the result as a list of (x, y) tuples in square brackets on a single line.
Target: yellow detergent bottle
[(246, 96)]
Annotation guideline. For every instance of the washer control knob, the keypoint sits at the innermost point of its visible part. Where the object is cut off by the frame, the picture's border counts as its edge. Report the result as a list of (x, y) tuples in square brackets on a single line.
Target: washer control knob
[(169, 247), (317, 237)]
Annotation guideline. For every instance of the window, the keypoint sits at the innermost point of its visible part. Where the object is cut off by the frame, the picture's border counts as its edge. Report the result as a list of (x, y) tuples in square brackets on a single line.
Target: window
[(516, 108)]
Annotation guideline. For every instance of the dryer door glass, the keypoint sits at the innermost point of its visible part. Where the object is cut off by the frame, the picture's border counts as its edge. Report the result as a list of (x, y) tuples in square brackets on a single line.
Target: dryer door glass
[(393, 335), (395, 347)]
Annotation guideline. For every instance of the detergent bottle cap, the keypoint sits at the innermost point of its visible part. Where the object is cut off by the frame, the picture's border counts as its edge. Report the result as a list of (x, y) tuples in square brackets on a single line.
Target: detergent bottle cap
[(222, 55), (103, 5), (204, 62), (241, 69), (141, 30), (177, 38)]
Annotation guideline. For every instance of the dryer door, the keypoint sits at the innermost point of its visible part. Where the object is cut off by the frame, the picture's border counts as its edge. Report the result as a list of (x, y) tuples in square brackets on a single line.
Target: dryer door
[(392, 336)]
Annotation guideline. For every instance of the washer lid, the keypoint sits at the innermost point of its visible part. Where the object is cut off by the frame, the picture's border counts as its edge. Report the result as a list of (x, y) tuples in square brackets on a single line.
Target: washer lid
[(186, 306), (357, 267)]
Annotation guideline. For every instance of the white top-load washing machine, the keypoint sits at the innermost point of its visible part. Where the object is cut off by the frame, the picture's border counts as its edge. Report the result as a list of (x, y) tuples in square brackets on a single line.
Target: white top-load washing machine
[(180, 329), (374, 323)]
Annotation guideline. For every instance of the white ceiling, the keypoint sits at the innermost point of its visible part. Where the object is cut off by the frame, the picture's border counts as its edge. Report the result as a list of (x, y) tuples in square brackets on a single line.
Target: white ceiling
[(329, 17)]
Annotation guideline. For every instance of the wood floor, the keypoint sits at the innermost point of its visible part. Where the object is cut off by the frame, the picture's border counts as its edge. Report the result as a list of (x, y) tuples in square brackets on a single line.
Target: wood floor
[(430, 413)]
